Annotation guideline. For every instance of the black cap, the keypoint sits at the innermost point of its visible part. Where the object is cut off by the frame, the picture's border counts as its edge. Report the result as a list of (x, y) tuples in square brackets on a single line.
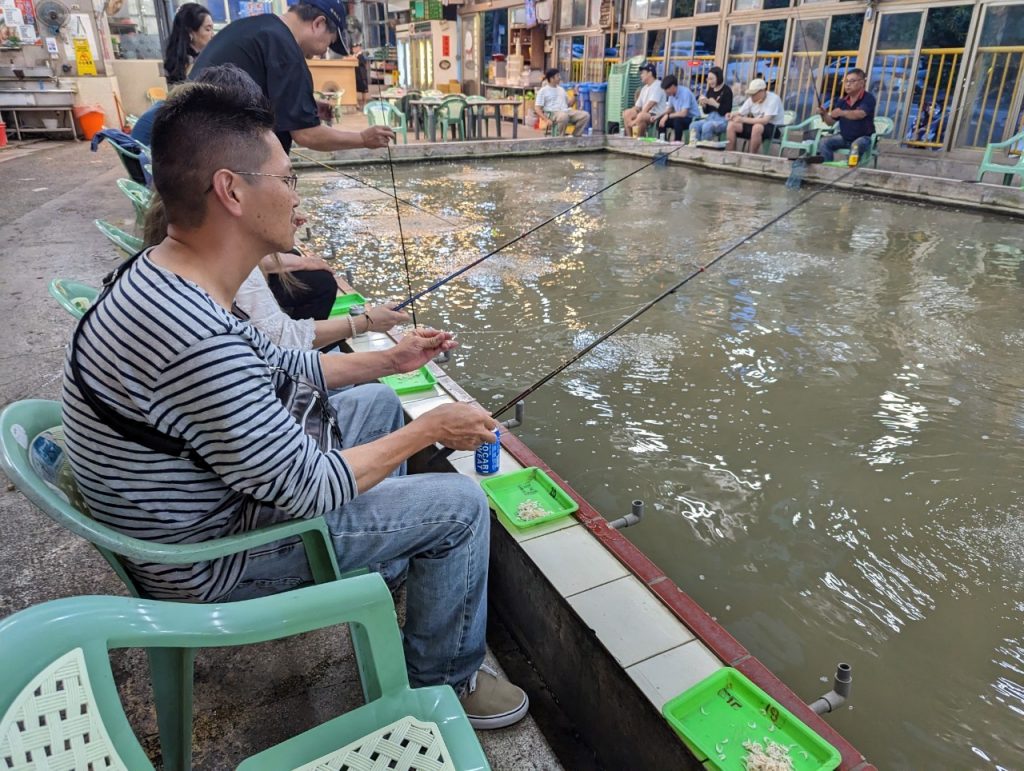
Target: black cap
[(335, 11), (650, 68)]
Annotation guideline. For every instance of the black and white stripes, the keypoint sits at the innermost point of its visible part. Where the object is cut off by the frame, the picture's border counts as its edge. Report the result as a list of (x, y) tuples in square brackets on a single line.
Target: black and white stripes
[(159, 350)]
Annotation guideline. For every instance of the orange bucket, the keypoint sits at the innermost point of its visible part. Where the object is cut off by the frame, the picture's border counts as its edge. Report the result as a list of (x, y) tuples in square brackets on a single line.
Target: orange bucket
[(90, 119)]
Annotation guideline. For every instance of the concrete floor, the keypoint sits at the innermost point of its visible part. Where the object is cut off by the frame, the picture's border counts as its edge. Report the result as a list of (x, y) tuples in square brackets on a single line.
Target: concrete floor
[(246, 699)]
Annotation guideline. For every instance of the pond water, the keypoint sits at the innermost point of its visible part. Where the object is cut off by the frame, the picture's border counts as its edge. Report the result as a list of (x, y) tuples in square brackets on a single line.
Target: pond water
[(826, 427)]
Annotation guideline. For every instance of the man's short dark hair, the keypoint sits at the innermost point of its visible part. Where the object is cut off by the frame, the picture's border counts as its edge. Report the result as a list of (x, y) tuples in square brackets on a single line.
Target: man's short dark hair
[(858, 72), (308, 12), (668, 81), (204, 126), (550, 73)]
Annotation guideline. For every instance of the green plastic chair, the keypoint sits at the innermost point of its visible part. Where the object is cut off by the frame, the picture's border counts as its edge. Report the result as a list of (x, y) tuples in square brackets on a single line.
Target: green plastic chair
[(883, 128), (139, 195), (126, 242), (788, 119), (479, 115), (452, 113), (1007, 170), (73, 297), (170, 668), (809, 133), (382, 113), (62, 710)]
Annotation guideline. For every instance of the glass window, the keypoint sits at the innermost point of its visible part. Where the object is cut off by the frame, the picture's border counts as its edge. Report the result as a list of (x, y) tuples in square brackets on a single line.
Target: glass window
[(564, 18), (635, 45), (564, 56), (579, 13), (682, 8), (658, 9), (709, 6), (746, 5), (805, 62), (989, 113), (656, 50), (134, 33)]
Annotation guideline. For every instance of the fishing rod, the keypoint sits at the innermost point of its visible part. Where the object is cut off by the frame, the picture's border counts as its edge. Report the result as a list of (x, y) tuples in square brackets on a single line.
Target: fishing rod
[(398, 213), (445, 451), (660, 159), (363, 182)]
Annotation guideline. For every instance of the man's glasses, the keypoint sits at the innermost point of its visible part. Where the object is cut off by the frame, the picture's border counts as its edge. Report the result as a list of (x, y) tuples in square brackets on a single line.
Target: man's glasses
[(291, 180)]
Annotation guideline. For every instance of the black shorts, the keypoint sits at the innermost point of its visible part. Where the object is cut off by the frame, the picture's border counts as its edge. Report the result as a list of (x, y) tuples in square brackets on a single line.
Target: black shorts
[(770, 131)]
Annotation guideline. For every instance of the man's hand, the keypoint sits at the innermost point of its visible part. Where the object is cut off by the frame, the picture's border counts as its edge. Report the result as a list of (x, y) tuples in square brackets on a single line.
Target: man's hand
[(418, 347), (382, 317), (837, 113), (377, 136), (459, 426), (325, 111), (663, 120)]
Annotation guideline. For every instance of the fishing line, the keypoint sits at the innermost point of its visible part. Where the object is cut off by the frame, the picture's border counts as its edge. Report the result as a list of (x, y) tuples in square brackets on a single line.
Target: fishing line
[(659, 159), (398, 213), (379, 190), (445, 451)]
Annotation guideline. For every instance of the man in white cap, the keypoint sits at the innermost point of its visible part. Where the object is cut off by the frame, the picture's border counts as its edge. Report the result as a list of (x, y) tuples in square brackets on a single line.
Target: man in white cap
[(759, 118)]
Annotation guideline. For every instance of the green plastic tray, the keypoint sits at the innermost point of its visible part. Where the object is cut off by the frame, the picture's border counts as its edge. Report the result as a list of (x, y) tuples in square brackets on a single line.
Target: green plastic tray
[(720, 713), (411, 382), (344, 302), (507, 491)]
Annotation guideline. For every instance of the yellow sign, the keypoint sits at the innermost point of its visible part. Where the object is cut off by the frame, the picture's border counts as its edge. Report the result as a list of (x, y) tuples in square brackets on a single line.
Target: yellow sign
[(83, 56)]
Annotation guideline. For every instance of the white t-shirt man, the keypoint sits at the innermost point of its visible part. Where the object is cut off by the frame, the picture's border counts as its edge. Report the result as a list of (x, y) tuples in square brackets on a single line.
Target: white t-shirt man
[(771, 106), (652, 92), (553, 99)]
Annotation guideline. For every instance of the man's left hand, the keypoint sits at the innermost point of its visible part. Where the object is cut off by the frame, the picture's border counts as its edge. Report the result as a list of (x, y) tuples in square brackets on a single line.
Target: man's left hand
[(377, 136), (836, 114), (420, 346), (325, 111)]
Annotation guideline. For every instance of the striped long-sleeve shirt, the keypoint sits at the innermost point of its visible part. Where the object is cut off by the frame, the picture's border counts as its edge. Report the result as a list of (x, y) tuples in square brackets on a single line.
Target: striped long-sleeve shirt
[(159, 350)]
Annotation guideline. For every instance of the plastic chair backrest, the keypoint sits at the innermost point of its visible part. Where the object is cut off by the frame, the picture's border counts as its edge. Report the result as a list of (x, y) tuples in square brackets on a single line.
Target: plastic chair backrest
[(883, 127), (139, 195), (73, 296), (377, 112), (126, 242), (788, 117), (451, 107), (473, 99), (61, 647)]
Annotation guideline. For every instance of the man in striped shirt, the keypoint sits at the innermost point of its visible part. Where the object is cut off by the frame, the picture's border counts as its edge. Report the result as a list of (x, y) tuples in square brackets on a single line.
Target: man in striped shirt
[(164, 349)]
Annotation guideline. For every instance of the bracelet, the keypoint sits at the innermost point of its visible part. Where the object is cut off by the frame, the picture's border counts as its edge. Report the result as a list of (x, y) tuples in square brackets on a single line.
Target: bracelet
[(369, 321), (352, 326)]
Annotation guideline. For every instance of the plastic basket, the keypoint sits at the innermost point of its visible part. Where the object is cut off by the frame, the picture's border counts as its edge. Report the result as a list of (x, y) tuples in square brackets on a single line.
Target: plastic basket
[(344, 302), (507, 491), (722, 712), (411, 382)]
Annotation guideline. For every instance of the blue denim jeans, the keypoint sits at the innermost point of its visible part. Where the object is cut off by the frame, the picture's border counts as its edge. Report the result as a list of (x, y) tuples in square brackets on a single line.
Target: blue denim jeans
[(436, 524), (828, 146), (709, 127)]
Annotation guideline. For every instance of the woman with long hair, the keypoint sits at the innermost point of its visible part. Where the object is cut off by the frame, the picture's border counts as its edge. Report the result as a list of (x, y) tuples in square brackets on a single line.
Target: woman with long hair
[(716, 103), (191, 31)]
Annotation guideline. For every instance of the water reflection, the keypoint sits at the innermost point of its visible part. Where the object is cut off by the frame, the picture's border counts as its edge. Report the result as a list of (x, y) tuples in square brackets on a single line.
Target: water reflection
[(826, 426)]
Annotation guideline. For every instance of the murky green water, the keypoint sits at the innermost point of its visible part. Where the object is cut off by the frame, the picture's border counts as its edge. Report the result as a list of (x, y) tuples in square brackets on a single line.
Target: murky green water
[(827, 427)]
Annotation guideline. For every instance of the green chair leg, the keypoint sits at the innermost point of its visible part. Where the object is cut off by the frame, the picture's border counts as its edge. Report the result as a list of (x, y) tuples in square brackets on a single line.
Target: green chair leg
[(171, 674)]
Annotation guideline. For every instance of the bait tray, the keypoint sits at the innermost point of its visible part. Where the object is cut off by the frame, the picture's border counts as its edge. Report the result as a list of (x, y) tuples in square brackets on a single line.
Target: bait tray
[(507, 491), (410, 382), (717, 715), (344, 302)]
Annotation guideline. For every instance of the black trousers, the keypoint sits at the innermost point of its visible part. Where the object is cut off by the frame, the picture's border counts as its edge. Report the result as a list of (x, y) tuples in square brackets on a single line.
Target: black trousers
[(313, 300), (678, 125)]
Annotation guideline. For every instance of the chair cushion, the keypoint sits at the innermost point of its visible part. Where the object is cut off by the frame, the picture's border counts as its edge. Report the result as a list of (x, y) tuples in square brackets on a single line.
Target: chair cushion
[(47, 457)]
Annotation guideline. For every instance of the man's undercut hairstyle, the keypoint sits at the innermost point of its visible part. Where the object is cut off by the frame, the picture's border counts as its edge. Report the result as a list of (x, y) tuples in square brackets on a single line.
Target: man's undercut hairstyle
[(308, 12), (218, 122)]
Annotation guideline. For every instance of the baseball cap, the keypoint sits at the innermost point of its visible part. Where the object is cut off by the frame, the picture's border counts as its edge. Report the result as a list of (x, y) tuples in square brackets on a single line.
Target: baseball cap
[(756, 85), (650, 68), (335, 11)]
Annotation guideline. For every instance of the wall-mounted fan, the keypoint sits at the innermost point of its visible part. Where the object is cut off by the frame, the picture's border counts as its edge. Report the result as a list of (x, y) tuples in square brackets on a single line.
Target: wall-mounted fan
[(53, 14)]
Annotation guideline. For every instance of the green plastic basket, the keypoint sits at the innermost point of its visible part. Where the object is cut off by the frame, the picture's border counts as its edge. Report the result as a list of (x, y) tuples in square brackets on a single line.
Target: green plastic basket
[(720, 713), (344, 302), (507, 491), (411, 382)]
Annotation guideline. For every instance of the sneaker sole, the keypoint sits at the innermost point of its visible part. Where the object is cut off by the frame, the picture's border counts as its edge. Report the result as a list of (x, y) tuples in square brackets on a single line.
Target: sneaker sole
[(503, 720)]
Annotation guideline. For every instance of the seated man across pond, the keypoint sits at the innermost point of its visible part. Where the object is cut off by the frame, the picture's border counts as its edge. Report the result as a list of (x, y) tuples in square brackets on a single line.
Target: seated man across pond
[(553, 105)]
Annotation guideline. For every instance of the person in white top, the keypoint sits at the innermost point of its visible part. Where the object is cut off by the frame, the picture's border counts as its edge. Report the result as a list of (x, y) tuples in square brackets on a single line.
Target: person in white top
[(649, 104), (553, 104), (759, 118)]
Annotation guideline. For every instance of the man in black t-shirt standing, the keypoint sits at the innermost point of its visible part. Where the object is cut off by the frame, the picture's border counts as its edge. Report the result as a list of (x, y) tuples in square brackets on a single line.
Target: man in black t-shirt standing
[(273, 51)]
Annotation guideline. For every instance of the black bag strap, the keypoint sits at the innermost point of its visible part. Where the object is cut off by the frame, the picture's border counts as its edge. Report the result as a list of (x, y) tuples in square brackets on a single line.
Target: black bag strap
[(132, 430)]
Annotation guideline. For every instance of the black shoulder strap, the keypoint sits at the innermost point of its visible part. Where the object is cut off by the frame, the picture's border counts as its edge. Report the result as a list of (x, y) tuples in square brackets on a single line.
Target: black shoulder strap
[(132, 430)]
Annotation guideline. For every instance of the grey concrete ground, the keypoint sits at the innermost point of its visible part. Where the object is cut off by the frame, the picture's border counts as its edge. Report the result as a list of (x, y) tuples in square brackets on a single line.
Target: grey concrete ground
[(246, 699)]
